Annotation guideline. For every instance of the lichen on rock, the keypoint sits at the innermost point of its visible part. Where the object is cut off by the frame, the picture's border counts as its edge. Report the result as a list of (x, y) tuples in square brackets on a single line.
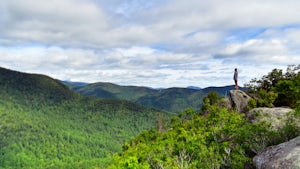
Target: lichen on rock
[(283, 156)]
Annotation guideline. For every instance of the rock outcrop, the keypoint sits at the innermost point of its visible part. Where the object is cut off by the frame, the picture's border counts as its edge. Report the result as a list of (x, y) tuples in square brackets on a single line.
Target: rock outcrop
[(285, 156), (276, 117), (239, 100), (282, 156)]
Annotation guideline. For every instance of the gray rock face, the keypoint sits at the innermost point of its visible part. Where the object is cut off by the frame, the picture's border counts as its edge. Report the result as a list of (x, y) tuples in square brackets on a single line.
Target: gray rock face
[(225, 103), (282, 156), (274, 116), (239, 100)]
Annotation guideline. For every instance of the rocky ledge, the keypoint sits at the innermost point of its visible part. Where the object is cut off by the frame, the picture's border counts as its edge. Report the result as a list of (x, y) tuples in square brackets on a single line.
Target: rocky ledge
[(282, 156), (276, 117)]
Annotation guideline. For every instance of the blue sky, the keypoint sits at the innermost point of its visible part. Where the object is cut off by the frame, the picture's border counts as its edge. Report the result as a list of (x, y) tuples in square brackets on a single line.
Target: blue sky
[(158, 43)]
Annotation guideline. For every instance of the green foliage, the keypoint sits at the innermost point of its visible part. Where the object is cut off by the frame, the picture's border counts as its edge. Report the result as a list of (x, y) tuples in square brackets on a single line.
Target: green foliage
[(212, 99), (291, 128), (220, 139), (277, 88), (265, 98), (34, 87), (252, 103), (70, 135), (288, 92), (267, 81)]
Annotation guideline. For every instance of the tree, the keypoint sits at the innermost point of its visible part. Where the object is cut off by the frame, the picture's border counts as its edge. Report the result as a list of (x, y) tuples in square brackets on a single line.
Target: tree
[(288, 92), (211, 99), (267, 81), (277, 88)]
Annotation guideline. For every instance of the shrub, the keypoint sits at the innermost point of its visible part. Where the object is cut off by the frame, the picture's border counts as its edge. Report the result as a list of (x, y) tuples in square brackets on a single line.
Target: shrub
[(219, 139), (291, 128), (266, 99), (251, 104), (277, 88), (288, 92)]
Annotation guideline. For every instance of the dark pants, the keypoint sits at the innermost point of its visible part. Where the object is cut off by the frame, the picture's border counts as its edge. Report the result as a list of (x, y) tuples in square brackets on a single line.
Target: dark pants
[(236, 84)]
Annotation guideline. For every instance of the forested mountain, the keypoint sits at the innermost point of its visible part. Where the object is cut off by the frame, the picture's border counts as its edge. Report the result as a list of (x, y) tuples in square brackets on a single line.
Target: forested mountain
[(171, 99), (43, 124)]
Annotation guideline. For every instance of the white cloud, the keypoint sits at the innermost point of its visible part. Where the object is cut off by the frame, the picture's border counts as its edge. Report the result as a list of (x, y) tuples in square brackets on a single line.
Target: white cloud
[(155, 43), (65, 22), (273, 51), (36, 58), (86, 23)]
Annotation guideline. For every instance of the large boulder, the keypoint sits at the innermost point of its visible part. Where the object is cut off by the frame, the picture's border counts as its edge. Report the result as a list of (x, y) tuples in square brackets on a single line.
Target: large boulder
[(239, 100), (276, 117), (285, 156)]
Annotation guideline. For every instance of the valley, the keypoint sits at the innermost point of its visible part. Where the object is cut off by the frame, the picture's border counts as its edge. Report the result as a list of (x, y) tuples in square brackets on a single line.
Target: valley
[(46, 125), (173, 100)]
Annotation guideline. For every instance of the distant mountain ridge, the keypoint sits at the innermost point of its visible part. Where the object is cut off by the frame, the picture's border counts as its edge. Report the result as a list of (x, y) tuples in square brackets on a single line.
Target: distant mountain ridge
[(44, 124), (173, 99), (194, 87), (34, 87), (70, 83)]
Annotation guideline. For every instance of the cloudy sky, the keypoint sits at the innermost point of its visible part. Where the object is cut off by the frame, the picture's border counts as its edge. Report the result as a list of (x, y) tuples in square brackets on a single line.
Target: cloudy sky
[(156, 43)]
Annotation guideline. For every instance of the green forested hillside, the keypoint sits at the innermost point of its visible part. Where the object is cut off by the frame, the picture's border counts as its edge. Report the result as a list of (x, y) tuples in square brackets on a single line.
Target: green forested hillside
[(110, 90), (43, 124), (171, 99), (33, 87)]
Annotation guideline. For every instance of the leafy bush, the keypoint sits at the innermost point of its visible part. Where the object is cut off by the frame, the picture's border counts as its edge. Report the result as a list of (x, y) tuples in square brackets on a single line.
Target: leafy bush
[(212, 99), (288, 92), (265, 99), (277, 88), (267, 81), (252, 103), (219, 139), (291, 128)]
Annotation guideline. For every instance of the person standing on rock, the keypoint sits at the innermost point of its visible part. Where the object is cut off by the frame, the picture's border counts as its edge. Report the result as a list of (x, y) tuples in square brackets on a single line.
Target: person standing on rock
[(235, 78)]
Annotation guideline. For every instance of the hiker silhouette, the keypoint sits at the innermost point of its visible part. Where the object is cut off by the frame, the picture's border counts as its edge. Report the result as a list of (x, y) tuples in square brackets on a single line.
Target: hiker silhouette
[(235, 78)]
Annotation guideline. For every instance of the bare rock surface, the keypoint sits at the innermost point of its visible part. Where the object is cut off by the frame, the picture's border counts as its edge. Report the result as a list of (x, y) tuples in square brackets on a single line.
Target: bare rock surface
[(239, 100), (275, 116), (282, 156)]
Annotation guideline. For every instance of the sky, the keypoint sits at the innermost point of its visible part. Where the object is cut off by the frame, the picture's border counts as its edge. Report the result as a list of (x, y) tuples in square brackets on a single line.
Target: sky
[(156, 43)]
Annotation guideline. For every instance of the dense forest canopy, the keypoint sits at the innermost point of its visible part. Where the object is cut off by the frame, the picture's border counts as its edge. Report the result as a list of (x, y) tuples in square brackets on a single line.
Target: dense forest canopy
[(43, 124)]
